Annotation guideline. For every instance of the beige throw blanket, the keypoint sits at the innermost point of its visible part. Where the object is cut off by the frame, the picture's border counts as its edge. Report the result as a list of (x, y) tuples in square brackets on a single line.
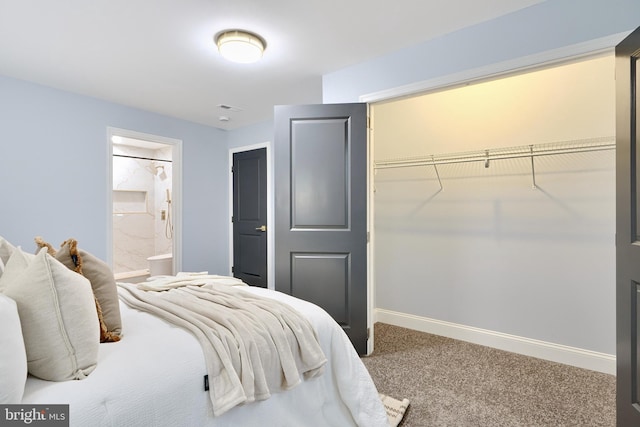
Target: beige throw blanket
[(252, 346)]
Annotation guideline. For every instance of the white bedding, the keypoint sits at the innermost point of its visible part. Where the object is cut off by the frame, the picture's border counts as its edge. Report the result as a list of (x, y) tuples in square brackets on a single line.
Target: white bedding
[(155, 377)]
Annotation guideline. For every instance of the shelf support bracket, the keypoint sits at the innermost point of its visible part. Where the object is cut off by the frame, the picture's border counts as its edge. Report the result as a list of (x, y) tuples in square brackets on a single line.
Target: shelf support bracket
[(435, 167), (533, 169)]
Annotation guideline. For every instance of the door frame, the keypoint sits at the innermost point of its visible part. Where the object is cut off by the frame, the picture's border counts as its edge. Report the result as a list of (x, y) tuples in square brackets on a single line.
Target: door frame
[(270, 197), (176, 188)]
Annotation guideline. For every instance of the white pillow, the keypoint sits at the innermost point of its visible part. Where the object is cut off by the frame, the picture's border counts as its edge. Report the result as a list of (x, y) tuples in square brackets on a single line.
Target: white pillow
[(13, 369), (6, 249), (21, 262), (58, 316), (1, 267)]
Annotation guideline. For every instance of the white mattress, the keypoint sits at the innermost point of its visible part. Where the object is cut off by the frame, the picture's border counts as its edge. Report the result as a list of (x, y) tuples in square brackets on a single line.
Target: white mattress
[(155, 377)]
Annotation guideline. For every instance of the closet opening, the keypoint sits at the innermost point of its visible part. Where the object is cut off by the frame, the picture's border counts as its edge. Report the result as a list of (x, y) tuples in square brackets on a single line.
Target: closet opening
[(494, 212)]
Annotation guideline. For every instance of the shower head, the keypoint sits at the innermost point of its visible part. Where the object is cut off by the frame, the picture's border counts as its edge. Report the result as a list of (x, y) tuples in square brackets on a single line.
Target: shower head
[(160, 172)]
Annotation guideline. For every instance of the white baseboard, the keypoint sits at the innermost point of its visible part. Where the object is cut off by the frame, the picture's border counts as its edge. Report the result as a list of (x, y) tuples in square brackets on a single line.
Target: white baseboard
[(573, 356)]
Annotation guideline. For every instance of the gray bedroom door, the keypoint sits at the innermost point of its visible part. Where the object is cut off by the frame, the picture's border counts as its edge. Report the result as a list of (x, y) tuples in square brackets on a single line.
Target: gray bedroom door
[(250, 216), (628, 231), (320, 169)]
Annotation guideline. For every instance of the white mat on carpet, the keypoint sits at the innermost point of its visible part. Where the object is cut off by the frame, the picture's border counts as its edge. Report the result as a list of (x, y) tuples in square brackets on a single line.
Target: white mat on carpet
[(395, 408)]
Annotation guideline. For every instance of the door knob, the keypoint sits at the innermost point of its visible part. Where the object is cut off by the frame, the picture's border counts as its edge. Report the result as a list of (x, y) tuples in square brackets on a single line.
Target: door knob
[(262, 228)]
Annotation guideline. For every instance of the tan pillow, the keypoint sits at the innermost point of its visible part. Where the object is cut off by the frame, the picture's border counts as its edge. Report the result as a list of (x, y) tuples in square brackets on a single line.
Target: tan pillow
[(57, 314), (102, 283)]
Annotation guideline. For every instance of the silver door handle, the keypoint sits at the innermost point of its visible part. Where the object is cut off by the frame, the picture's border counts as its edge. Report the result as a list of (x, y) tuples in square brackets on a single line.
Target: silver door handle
[(262, 228)]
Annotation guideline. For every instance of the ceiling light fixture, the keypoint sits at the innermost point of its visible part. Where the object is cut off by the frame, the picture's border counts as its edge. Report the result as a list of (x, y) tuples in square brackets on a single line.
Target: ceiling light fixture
[(240, 46)]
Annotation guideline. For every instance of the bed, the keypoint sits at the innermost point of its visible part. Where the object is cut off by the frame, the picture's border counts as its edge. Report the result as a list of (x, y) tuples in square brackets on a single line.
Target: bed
[(155, 373)]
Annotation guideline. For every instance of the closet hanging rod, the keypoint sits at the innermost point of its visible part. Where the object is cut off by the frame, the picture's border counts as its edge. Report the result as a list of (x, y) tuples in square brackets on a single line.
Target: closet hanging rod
[(596, 144)]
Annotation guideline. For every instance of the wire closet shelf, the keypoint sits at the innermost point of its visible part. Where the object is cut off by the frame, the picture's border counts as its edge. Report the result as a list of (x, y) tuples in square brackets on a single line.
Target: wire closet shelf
[(487, 155)]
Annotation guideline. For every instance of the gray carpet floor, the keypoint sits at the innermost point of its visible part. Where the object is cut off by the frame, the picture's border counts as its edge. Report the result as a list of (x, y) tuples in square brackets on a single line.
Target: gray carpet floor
[(458, 384)]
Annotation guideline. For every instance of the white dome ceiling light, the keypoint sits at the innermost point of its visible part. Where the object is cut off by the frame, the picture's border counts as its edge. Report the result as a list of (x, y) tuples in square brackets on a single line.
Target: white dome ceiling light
[(240, 46)]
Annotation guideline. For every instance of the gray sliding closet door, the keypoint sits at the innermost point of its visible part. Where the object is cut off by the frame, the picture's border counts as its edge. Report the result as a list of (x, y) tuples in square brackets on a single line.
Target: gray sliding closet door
[(628, 231)]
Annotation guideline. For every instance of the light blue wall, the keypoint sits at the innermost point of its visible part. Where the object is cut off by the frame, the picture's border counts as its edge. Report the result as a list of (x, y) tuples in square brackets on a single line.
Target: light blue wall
[(542, 27), (53, 169), (249, 135)]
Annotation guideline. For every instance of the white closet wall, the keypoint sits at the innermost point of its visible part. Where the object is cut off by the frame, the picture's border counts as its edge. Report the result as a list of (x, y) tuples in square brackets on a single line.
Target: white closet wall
[(489, 251)]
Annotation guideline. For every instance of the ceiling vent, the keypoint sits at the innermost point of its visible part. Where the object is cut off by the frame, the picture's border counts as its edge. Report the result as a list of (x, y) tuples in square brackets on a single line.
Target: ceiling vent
[(229, 108)]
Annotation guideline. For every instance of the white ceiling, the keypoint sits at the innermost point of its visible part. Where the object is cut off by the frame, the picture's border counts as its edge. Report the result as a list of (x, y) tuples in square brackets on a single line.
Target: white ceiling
[(159, 55)]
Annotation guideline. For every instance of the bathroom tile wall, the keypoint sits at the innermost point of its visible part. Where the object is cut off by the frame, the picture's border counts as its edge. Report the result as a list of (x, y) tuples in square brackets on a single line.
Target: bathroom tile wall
[(139, 197)]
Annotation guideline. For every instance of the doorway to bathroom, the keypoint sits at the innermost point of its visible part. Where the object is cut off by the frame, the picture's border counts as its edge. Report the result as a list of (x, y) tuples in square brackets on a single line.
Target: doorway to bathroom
[(145, 199)]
